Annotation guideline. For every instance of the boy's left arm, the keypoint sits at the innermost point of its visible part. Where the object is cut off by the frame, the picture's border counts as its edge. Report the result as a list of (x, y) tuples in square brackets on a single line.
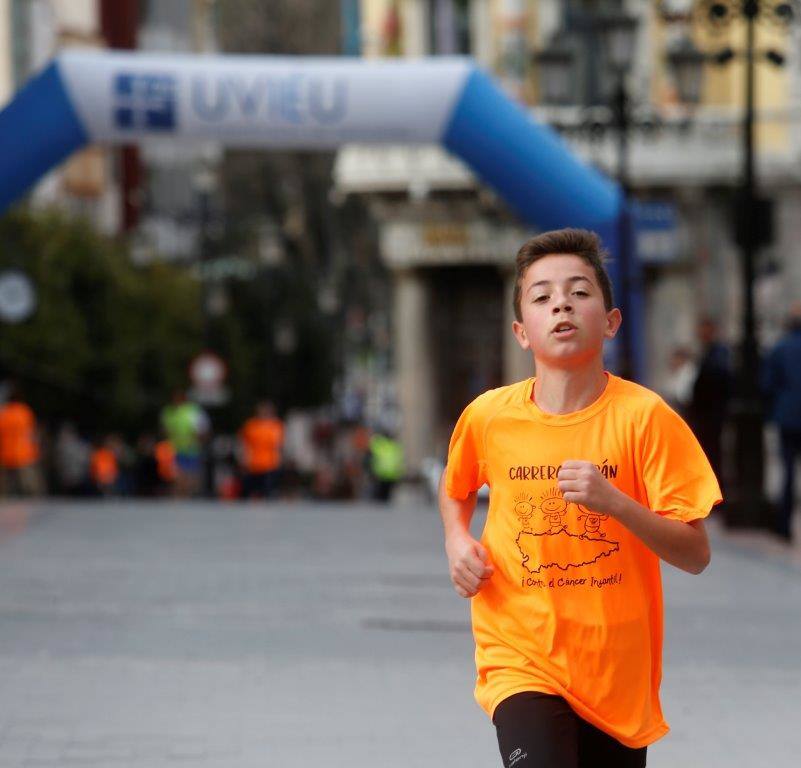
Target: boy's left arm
[(684, 545)]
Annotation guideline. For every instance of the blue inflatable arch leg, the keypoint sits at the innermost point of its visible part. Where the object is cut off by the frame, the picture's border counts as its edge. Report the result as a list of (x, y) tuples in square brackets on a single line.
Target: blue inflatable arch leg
[(38, 130)]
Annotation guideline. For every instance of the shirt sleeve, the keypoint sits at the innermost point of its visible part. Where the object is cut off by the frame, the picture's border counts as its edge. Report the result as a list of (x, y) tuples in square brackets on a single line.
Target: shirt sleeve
[(466, 469), (678, 478)]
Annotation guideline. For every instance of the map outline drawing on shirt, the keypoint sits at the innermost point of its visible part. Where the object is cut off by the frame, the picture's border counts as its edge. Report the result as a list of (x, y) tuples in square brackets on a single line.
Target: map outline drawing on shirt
[(571, 550)]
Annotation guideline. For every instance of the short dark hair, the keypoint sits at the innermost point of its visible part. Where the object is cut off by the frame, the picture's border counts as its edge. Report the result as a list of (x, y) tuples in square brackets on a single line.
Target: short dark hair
[(564, 242)]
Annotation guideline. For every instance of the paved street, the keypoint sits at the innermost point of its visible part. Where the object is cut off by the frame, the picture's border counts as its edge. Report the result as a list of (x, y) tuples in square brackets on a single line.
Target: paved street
[(181, 634)]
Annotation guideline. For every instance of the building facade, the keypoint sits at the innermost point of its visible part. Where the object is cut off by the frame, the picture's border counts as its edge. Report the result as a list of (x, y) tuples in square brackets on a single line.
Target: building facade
[(6, 60), (150, 192), (175, 176), (450, 243), (31, 33)]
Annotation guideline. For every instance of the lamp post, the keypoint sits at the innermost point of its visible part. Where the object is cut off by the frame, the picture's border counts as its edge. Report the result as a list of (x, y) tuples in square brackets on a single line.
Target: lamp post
[(618, 33), (746, 505), (205, 183), (555, 67)]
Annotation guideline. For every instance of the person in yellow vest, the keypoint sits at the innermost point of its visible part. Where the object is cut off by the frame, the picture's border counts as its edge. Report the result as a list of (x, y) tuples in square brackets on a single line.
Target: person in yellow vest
[(19, 449), (386, 464), (188, 429)]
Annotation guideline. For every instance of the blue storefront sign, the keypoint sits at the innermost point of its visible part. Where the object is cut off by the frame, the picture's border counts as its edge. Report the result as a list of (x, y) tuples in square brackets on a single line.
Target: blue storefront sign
[(656, 232)]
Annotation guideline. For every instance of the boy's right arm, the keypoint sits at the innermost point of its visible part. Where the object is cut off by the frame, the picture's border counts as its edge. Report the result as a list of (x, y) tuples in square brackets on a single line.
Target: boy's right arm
[(468, 560)]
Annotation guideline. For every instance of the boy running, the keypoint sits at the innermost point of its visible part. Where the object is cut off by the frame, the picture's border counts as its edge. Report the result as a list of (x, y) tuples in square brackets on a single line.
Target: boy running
[(593, 479)]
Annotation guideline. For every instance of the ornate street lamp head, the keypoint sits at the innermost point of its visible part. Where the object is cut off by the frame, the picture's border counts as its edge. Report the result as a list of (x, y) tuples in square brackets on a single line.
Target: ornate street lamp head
[(687, 64), (555, 66), (719, 14), (619, 35), (675, 10)]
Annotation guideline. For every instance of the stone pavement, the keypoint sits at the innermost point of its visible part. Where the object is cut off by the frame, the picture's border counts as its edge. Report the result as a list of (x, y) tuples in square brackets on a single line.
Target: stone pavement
[(198, 634)]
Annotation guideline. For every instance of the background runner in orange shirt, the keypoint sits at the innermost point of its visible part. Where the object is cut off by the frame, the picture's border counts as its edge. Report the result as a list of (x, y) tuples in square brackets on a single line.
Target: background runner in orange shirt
[(104, 467), (593, 479), (19, 450), (166, 466), (262, 436)]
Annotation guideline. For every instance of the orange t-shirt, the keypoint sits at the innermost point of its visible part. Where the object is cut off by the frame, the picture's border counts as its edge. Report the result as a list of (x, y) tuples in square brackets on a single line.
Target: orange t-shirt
[(574, 607), (262, 439), (17, 436), (103, 466), (165, 461)]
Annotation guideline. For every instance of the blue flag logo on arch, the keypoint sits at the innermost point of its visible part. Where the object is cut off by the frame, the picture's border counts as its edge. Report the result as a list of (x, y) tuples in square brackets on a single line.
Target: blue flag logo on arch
[(144, 101)]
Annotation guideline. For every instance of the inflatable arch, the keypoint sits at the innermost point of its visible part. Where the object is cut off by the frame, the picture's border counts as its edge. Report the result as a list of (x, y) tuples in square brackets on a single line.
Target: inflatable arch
[(84, 97)]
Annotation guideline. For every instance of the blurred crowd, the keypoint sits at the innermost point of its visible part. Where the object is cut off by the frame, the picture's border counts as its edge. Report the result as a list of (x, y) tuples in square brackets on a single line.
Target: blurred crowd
[(311, 454), (318, 454), (702, 388)]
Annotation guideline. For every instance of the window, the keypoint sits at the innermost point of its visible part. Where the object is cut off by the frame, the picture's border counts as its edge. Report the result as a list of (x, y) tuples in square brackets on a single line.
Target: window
[(20, 41), (580, 33), (449, 27)]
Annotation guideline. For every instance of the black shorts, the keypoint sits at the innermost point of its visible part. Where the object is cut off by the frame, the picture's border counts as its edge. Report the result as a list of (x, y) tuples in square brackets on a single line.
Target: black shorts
[(539, 730)]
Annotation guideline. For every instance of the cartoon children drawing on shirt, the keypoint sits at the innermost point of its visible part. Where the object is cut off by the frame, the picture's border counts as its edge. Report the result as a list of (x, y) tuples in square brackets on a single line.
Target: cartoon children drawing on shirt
[(592, 522), (554, 508), (524, 509)]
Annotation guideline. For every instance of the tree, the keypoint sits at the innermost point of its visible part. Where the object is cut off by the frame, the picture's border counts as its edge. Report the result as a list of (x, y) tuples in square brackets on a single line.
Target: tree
[(108, 341)]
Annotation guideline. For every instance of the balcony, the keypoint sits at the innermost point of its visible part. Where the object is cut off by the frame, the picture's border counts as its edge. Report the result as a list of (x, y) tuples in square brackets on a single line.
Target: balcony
[(699, 149)]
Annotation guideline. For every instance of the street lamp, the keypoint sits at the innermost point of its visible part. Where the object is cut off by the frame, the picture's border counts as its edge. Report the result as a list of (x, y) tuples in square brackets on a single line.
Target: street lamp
[(618, 35), (746, 505), (687, 64), (555, 66), (205, 184)]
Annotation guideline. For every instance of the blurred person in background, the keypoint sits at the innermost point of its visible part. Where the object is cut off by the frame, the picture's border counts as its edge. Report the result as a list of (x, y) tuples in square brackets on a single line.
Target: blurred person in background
[(146, 475), (186, 426), (781, 381), (126, 465), (166, 466), (19, 448), (104, 467), (708, 408), (262, 438), (71, 455), (358, 449), (299, 454), (324, 480), (229, 483), (682, 372), (386, 464)]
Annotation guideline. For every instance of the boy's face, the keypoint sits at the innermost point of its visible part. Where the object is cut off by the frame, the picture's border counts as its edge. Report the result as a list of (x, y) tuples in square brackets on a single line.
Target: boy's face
[(564, 321)]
